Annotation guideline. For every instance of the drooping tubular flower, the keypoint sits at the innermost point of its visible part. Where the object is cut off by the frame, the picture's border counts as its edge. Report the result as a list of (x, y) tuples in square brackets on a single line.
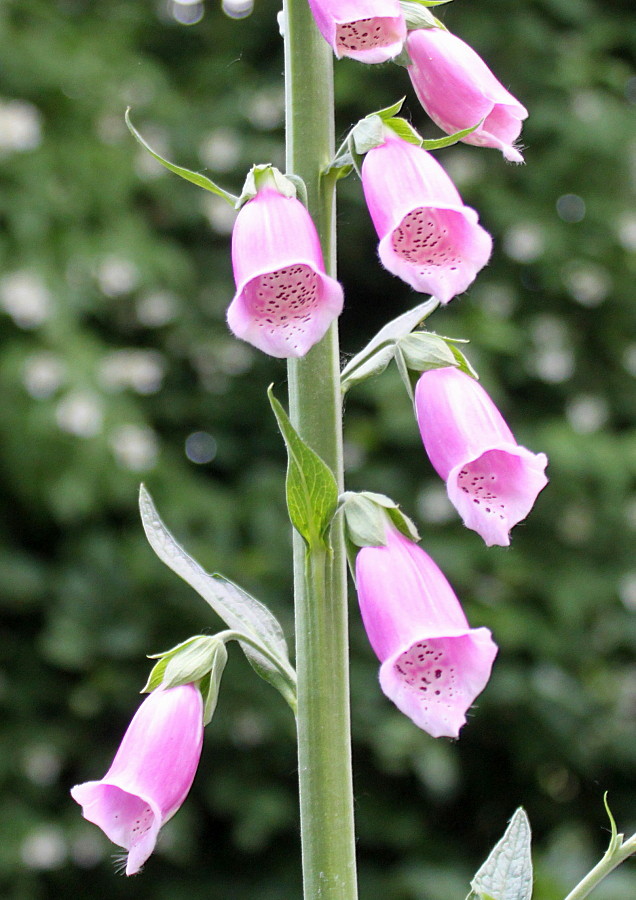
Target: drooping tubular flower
[(433, 664), (370, 31), (427, 236), (491, 480), (458, 90), (284, 301), (151, 774)]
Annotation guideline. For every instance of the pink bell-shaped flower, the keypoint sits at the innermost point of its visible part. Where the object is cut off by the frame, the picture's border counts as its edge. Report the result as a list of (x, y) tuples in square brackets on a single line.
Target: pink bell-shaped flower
[(370, 31), (284, 301), (458, 90), (427, 236), (491, 480), (151, 774), (433, 663)]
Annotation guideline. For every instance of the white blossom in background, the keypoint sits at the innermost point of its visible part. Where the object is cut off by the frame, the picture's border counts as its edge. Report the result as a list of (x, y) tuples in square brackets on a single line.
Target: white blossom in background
[(237, 9), (587, 413), (265, 109), (20, 126), (80, 413), (186, 12), (627, 231), (552, 357), (25, 297), (219, 214), (589, 284), (44, 848), (156, 309), (43, 374), (141, 370), (41, 764), (135, 447), (221, 149), (525, 242), (627, 590), (117, 275), (434, 506)]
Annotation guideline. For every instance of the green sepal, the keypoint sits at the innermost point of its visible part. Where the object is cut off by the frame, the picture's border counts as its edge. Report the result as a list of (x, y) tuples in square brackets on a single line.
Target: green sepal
[(367, 134), (416, 14), (405, 130), (194, 177), (264, 175), (409, 378), (507, 873), (424, 350), (312, 492), (187, 662), (378, 353), (267, 651), (211, 683), (450, 139), (366, 516), (389, 111)]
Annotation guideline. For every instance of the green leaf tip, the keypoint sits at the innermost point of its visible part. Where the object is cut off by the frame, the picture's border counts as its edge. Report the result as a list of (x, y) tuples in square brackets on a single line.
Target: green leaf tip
[(507, 873), (312, 492), (194, 177)]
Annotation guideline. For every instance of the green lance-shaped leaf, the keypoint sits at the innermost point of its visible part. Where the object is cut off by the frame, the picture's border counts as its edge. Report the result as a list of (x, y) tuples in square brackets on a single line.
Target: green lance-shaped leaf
[(267, 650), (312, 492), (194, 177), (450, 139), (378, 353), (507, 873)]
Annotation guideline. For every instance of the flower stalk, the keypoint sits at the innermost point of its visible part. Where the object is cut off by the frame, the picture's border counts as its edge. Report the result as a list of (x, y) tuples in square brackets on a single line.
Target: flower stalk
[(324, 741)]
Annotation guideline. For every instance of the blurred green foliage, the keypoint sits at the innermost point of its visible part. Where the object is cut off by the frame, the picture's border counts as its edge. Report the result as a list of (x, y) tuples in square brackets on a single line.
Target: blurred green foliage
[(116, 366)]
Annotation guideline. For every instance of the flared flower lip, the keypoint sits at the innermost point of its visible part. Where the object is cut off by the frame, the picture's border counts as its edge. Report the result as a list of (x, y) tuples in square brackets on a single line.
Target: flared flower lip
[(244, 325), (409, 271), (536, 464), (87, 796), (405, 699)]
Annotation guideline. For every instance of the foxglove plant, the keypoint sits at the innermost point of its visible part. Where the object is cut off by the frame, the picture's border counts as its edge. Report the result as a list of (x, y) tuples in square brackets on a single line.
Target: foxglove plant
[(433, 664), (491, 480), (428, 237), (369, 31), (150, 775), (458, 90)]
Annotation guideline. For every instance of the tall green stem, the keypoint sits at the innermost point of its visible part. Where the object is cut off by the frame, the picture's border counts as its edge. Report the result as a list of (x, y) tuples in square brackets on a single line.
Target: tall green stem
[(324, 740)]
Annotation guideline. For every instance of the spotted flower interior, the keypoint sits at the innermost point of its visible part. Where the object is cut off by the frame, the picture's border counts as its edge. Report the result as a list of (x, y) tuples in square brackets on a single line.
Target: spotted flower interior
[(366, 34), (282, 302)]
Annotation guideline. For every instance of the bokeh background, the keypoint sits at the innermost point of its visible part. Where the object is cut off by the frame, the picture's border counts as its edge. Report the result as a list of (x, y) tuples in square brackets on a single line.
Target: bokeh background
[(116, 367)]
